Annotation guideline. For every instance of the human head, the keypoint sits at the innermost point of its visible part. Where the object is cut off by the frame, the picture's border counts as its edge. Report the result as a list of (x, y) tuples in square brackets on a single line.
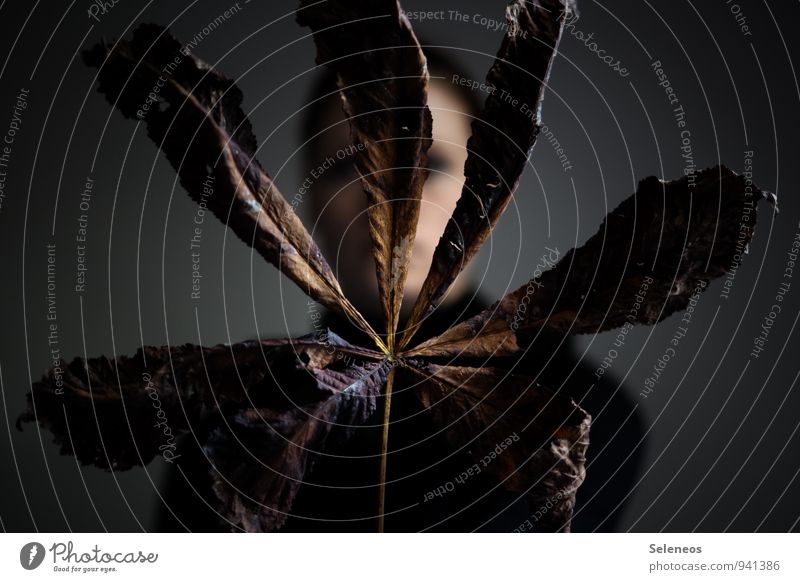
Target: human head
[(338, 202)]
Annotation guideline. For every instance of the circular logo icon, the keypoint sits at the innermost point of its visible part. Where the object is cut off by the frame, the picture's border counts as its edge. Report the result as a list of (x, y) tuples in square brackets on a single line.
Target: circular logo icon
[(31, 555)]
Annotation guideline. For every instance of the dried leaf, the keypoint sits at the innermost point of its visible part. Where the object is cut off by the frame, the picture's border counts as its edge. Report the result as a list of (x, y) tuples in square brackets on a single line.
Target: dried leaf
[(527, 437), (194, 115), (653, 253), (501, 141), (265, 411), (382, 75), (261, 456)]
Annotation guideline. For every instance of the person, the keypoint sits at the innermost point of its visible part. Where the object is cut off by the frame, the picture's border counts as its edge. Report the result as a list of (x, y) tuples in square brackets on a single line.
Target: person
[(342, 494), (416, 465)]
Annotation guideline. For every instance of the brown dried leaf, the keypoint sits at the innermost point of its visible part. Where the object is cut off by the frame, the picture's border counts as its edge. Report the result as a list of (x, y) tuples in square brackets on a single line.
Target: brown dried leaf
[(266, 411), (501, 141), (194, 115), (383, 77), (531, 440), (652, 254), (261, 456)]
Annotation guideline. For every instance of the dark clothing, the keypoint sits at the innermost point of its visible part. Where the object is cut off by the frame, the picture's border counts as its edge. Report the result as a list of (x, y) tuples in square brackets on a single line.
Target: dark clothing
[(344, 494)]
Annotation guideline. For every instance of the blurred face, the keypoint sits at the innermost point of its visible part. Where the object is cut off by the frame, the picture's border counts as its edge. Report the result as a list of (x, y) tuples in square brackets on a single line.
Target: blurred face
[(340, 202)]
